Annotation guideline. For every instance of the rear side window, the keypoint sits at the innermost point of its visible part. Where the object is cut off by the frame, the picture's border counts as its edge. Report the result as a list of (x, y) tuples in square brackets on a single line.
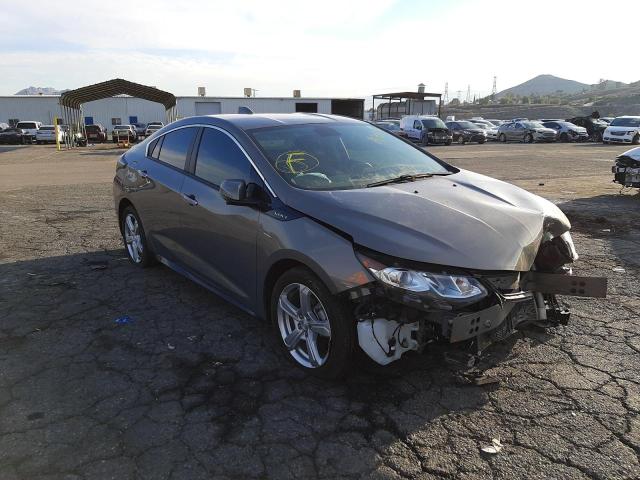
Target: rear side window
[(219, 158), (176, 145)]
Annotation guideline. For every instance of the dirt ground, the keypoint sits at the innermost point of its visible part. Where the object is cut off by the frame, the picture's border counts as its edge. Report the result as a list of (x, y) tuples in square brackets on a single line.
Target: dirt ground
[(108, 371)]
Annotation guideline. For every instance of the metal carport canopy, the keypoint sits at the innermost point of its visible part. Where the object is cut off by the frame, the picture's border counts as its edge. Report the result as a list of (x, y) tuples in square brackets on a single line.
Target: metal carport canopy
[(110, 88)]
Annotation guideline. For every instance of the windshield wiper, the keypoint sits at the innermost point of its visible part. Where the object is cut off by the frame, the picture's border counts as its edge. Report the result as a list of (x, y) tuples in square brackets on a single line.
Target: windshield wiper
[(404, 178)]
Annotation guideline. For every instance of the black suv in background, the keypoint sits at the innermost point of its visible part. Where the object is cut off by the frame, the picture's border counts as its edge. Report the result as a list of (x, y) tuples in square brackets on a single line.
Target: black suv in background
[(595, 127)]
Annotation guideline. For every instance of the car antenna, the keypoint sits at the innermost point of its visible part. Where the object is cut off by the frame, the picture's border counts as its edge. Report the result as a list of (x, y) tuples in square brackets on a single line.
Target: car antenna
[(245, 110)]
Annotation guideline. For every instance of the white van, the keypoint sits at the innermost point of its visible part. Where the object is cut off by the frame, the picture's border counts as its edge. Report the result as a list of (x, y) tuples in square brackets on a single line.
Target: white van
[(426, 129), (30, 127)]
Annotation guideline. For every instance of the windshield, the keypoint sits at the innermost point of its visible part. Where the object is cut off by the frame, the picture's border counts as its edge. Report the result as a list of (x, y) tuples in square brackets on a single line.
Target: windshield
[(433, 123), (468, 125), (26, 125), (388, 126), (92, 128), (533, 125), (625, 122), (341, 156), (121, 127)]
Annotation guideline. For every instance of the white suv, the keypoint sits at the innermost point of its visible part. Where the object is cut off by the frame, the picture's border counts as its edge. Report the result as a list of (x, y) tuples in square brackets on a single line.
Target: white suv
[(30, 128), (624, 129)]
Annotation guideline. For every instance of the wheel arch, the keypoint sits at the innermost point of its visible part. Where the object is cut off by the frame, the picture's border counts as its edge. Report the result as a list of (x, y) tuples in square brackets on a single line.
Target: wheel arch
[(124, 203), (281, 265)]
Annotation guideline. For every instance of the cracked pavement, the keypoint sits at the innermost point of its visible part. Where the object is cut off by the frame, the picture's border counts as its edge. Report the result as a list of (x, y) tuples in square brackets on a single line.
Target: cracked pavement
[(108, 371)]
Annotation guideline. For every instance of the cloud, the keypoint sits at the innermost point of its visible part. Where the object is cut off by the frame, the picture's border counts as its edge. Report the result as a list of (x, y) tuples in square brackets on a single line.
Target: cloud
[(327, 48)]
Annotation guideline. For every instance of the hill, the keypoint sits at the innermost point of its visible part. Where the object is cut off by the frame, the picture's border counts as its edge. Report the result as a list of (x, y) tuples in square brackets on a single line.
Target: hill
[(39, 91), (545, 85)]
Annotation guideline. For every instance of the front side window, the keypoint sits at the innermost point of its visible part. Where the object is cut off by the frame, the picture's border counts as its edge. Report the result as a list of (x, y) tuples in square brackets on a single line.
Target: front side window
[(219, 158), (175, 146), (341, 156)]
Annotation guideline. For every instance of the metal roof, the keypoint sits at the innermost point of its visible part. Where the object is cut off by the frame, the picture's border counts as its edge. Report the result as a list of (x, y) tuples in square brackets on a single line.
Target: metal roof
[(412, 95), (117, 86)]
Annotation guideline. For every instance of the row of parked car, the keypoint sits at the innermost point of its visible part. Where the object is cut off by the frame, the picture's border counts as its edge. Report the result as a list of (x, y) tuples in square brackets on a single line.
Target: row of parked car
[(26, 132), (429, 129)]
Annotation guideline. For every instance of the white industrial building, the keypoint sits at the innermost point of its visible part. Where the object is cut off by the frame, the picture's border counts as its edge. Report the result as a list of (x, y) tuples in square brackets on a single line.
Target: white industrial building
[(125, 109)]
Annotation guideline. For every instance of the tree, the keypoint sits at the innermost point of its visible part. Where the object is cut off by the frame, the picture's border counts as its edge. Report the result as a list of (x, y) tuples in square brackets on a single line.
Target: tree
[(454, 102)]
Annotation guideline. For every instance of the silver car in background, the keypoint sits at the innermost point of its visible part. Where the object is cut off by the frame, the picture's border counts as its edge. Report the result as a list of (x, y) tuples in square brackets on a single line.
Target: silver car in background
[(527, 131), (567, 131)]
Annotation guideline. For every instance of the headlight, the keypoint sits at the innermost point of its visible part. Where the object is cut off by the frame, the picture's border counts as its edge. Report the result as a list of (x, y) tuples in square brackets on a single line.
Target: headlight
[(568, 241), (439, 286), (631, 132)]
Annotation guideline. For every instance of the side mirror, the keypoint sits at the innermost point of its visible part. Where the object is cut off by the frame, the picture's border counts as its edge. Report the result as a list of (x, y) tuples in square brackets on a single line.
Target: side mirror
[(233, 191)]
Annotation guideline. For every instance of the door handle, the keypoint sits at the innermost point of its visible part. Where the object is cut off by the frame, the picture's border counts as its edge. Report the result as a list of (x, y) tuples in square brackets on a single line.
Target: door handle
[(190, 199)]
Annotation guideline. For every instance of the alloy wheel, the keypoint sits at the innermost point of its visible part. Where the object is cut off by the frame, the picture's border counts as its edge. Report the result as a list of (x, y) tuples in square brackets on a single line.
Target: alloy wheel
[(132, 238), (304, 325)]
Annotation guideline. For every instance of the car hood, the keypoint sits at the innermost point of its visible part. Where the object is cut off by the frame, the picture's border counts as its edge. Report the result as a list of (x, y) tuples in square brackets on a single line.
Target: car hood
[(461, 220)]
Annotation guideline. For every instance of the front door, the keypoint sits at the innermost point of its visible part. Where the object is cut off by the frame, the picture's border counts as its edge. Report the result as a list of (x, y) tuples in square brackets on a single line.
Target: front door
[(219, 240)]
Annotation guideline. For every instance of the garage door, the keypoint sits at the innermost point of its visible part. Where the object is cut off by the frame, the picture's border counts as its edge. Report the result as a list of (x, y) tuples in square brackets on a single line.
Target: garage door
[(208, 108)]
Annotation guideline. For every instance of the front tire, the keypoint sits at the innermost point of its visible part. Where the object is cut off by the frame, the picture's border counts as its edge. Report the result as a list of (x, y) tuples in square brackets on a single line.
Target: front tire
[(135, 239), (502, 138), (564, 138), (636, 139), (315, 329), (528, 138)]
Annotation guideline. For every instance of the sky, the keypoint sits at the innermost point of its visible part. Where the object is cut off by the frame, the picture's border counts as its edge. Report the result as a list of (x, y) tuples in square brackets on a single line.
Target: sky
[(328, 48)]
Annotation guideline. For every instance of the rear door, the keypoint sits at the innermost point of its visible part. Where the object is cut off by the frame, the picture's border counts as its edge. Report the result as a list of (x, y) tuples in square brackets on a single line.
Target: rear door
[(220, 239), (158, 179)]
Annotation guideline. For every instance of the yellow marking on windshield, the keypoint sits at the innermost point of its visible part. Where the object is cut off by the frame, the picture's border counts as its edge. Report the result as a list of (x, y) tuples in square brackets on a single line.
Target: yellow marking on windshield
[(296, 162)]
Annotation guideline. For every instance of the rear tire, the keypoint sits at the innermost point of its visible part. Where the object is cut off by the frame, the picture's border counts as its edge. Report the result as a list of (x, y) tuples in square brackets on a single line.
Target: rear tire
[(564, 137), (304, 312), (528, 138), (481, 142)]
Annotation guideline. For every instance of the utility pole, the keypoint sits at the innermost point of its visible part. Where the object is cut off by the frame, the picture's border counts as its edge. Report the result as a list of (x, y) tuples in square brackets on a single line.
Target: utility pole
[(494, 89), (445, 97), (468, 99)]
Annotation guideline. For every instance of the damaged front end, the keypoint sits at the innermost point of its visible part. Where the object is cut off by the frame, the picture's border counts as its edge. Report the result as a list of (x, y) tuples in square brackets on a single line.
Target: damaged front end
[(626, 171), (411, 305)]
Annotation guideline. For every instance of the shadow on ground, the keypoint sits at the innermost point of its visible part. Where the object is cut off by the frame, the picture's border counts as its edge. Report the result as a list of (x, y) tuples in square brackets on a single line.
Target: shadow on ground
[(108, 364)]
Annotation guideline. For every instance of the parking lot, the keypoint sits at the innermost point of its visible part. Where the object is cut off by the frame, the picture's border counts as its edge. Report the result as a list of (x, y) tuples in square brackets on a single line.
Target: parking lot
[(108, 371)]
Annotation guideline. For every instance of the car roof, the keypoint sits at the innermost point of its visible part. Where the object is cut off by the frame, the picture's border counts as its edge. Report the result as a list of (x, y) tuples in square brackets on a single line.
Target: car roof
[(250, 121)]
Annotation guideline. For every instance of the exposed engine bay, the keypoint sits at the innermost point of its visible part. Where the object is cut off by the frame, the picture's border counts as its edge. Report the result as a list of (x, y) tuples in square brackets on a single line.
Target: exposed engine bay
[(627, 168), (410, 308)]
